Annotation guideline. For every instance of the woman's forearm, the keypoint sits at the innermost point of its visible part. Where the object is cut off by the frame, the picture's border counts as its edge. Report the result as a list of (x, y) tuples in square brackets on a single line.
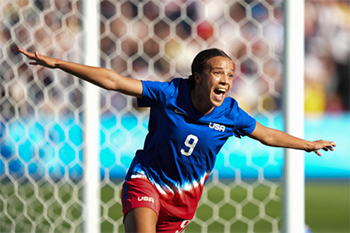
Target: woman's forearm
[(276, 138), (101, 77)]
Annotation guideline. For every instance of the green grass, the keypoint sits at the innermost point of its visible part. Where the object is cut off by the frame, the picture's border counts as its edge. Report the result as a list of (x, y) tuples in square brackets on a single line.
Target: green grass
[(327, 208)]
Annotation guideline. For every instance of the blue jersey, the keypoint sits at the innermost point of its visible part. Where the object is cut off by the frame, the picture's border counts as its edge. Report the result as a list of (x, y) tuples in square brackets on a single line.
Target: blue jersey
[(181, 147)]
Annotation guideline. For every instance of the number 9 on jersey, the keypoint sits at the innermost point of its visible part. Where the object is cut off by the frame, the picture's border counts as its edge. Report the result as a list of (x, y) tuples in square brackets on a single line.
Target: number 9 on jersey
[(190, 142)]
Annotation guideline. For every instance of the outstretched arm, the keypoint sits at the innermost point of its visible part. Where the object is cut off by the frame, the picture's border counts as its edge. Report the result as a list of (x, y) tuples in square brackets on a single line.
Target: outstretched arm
[(101, 77), (276, 138)]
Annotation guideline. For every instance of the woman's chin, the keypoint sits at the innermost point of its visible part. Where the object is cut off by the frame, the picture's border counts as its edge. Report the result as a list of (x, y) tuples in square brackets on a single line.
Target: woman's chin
[(217, 101)]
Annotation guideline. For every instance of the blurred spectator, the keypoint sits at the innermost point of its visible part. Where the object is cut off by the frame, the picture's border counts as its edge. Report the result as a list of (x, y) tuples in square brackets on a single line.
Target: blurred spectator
[(327, 48)]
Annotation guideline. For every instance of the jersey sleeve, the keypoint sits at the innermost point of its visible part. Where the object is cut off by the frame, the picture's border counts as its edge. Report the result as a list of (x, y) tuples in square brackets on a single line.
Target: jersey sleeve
[(245, 124), (155, 93)]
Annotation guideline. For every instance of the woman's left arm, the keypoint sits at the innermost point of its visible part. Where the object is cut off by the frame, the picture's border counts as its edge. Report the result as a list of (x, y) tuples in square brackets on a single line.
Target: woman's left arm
[(276, 138)]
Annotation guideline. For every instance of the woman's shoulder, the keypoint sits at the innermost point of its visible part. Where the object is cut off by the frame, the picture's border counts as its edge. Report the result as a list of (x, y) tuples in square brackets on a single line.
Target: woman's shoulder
[(230, 102)]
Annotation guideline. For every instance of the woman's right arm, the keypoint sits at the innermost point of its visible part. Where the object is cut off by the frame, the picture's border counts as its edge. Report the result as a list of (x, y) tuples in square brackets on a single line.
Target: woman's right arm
[(101, 77)]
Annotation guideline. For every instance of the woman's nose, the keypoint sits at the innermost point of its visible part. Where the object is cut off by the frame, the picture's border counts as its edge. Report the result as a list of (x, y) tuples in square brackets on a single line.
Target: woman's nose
[(224, 79)]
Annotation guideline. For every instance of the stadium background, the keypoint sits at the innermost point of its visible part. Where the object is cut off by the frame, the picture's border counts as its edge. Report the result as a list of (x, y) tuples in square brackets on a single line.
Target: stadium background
[(41, 110)]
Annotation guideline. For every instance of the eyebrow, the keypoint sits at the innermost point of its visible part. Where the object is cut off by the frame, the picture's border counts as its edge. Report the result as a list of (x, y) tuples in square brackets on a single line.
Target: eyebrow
[(221, 68)]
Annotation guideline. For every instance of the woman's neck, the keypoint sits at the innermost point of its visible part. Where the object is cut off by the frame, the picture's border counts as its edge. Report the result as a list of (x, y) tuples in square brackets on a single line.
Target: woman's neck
[(199, 103)]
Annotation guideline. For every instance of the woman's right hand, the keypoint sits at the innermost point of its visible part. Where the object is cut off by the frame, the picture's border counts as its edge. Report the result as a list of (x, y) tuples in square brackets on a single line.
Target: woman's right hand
[(37, 59)]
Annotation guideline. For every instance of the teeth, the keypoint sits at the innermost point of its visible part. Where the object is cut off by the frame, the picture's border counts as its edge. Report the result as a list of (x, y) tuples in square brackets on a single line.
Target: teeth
[(221, 90)]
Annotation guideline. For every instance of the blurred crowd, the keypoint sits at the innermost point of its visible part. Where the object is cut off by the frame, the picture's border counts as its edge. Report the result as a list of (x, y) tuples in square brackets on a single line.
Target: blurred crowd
[(327, 56), (158, 39)]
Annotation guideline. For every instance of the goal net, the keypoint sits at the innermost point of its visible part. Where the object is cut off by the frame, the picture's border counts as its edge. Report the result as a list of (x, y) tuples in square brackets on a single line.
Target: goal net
[(42, 128)]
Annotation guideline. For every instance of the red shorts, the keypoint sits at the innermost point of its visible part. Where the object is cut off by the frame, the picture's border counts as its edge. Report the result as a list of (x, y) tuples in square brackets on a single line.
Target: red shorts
[(141, 193)]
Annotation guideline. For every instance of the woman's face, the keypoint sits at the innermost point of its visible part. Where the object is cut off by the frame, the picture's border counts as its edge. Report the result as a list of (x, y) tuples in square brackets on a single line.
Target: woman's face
[(213, 84)]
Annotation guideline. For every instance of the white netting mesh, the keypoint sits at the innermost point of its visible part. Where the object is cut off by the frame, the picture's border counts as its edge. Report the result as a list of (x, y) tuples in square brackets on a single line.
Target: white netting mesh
[(41, 110)]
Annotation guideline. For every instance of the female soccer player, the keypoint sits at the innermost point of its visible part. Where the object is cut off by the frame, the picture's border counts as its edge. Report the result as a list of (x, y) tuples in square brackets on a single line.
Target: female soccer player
[(190, 120)]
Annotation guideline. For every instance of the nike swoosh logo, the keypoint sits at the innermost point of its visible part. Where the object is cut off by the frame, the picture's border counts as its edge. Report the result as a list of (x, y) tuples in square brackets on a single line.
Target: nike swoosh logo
[(177, 111)]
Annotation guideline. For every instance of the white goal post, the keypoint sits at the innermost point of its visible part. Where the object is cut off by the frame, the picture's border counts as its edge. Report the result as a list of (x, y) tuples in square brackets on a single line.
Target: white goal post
[(294, 171), (92, 189)]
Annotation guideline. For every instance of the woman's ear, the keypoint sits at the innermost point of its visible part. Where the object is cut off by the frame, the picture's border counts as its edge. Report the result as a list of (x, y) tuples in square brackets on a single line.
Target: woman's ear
[(197, 77)]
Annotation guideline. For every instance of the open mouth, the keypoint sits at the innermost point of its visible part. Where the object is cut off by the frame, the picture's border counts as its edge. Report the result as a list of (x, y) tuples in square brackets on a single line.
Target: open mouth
[(219, 93)]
